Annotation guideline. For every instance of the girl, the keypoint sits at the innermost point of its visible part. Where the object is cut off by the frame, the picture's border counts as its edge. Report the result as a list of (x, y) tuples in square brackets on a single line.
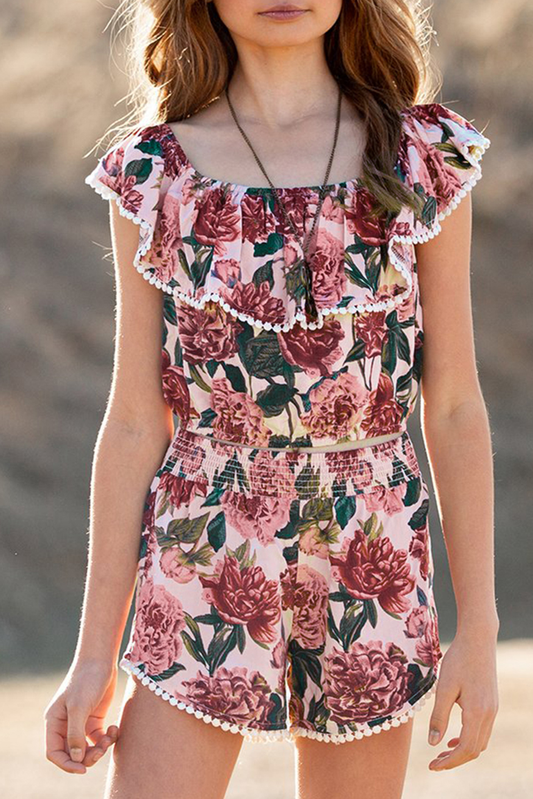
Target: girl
[(287, 202)]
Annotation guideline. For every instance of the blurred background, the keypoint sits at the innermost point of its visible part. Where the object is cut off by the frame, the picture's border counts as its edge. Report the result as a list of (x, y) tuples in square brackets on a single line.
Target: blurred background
[(60, 90)]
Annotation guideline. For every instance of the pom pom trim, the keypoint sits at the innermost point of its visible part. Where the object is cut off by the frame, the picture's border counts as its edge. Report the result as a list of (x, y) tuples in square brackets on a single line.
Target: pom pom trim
[(264, 736), (200, 301), (212, 296)]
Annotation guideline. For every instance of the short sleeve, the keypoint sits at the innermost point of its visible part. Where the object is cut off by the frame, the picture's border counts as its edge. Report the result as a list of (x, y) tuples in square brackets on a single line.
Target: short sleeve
[(131, 173), (440, 159)]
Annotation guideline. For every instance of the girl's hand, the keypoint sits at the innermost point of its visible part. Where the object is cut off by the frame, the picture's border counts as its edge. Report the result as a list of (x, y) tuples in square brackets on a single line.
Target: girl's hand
[(77, 710), (468, 677)]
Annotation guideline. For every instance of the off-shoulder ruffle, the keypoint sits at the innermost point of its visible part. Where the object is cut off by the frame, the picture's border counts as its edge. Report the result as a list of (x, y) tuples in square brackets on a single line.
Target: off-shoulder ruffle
[(440, 159), (206, 240)]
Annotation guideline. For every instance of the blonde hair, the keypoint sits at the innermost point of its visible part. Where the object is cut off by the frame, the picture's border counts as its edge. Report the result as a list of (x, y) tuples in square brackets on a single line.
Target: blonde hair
[(180, 56)]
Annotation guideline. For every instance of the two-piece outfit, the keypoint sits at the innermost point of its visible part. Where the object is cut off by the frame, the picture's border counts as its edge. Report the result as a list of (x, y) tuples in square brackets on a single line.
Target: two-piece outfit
[(282, 591)]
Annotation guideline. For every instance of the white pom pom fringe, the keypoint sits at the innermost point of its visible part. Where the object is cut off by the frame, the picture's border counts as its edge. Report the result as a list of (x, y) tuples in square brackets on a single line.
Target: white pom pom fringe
[(264, 736), (199, 302)]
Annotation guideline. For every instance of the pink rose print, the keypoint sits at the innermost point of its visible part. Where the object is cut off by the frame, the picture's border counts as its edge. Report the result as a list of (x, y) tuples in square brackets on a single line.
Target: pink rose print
[(386, 499), (315, 351), (374, 570), (312, 543), (244, 596), (371, 329), (428, 648), (148, 518), (310, 607), (269, 477), (159, 621), (336, 406), (368, 682), (329, 274), (383, 413), (434, 176), (217, 220), (256, 516), (176, 390), (178, 490), (360, 222), (419, 548), (257, 223), (116, 179), (256, 301), (238, 418), (207, 333), (228, 270), (171, 567), (279, 661), (234, 694), (417, 622)]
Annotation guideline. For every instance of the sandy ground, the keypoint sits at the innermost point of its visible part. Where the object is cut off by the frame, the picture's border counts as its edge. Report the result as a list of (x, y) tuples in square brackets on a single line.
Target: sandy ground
[(265, 771)]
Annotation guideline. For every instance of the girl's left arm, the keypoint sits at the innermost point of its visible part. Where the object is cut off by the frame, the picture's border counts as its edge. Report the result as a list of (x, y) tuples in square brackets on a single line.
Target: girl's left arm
[(457, 437)]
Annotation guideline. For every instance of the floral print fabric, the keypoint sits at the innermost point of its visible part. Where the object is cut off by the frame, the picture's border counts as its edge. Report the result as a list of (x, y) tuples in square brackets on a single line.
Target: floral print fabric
[(241, 361), (282, 590), (284, 594)]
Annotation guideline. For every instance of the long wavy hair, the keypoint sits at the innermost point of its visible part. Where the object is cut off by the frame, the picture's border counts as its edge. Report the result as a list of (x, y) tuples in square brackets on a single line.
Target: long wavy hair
[(180, 56)]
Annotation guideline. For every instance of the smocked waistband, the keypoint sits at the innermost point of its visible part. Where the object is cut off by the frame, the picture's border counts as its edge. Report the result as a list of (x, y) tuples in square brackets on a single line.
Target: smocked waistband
[(292, 473)]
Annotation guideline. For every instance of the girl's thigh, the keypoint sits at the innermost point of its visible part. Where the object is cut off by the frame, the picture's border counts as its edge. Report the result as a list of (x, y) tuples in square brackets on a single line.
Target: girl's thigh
[(374, 766), (167, 753)]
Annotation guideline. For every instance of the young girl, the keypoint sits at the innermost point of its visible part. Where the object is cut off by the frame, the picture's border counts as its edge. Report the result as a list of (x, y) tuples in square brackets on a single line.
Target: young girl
[(287, 206)]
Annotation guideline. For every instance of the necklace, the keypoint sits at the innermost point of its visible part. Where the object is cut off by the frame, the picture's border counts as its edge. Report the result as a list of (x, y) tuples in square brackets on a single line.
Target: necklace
[(306, 272)]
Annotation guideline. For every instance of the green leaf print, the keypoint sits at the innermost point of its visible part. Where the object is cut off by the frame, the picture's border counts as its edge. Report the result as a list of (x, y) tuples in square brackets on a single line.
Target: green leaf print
[(273, 400), (262, 356), (357, 351), (141, 169), (193, 648), (216, 531), (187, 531), (270, 246), (308, 481), (213, 498), (150, 147), (419, 517), (235, 377), (295, 280), (241, 637), (345, 508), (318, 509), (165, 675), (211, 367), (372, 527), (371, 612), (222, 643), (412, 493), (169, 310), (198, 379), (264, 273), (276, 715), (200, 268), (332, 627), (351, 626)]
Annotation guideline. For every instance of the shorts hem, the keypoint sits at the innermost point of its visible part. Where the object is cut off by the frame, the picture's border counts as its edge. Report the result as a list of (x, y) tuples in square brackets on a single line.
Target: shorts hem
[(367, 730), (258, 735), (255, 734)]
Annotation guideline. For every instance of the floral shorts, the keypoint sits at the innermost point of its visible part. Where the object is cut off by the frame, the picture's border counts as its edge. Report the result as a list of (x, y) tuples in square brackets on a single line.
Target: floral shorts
[(287, 593)]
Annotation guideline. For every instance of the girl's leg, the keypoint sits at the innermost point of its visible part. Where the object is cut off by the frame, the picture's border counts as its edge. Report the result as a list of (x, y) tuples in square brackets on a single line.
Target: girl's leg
[(363, 769), (165, 752)]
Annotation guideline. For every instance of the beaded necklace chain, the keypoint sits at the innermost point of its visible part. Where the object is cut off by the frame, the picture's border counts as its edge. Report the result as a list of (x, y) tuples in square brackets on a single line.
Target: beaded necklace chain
[(307, 274)]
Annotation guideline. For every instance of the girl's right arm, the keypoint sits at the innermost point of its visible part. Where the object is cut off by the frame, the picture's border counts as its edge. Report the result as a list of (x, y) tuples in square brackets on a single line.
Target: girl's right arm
[(135, 432)]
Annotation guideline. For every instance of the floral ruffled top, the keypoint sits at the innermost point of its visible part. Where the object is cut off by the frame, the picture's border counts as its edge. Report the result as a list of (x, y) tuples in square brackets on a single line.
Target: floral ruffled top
[(241, 361)]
